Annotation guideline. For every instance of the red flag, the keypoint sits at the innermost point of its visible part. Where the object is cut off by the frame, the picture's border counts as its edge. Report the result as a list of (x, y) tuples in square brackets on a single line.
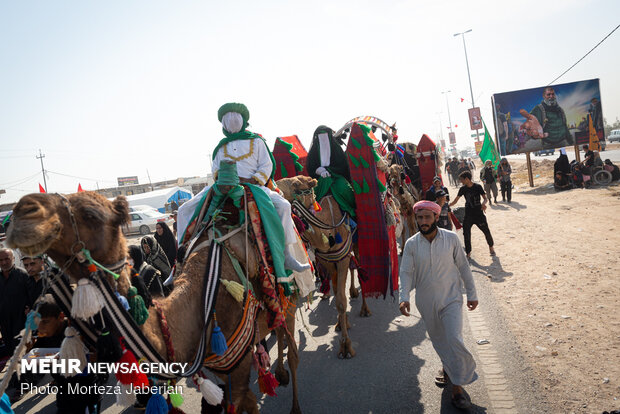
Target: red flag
[(456, 125), (80, 189), (462, 99), (41, 189)]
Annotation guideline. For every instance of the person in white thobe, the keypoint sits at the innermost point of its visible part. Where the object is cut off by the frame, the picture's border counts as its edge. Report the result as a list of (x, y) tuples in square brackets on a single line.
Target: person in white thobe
[(254, 165), (434, 264)]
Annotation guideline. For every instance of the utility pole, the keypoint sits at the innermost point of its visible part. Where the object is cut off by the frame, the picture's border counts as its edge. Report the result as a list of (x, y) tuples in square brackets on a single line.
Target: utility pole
[(149, 175), (448, 104), (40, 157), (471, 91)]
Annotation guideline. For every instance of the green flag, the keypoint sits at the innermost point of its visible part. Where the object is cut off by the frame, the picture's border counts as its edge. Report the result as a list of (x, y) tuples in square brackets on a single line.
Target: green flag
[(7, 218), (488, 150)]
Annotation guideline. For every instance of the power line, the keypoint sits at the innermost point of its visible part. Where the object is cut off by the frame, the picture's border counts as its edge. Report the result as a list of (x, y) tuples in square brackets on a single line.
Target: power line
[(584, 56), (19, 180), (81, 178)]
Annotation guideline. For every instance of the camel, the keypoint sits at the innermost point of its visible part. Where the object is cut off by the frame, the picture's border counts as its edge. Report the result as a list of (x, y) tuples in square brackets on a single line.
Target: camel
[(407, 195), (55, 225), (300, 188)]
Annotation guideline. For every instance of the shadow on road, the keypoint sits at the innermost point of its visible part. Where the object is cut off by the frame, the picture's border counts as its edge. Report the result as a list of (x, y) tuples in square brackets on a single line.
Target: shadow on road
[(494, 272)]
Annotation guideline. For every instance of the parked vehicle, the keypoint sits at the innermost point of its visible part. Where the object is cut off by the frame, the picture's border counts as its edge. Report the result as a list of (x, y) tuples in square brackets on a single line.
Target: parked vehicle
[(142, 207), (144, 222), (544, 152), (614, 136), (603, 144)]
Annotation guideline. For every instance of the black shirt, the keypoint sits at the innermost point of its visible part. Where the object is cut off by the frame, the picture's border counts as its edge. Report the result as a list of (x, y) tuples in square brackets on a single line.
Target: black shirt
[(590, 161), (35, 288), (472, 197)]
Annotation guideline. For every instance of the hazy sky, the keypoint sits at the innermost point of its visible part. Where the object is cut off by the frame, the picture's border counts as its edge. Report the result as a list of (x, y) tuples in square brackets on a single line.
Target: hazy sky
[(116, 88)]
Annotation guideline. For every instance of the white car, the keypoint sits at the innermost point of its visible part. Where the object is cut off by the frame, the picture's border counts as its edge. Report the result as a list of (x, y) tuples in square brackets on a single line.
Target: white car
[(142, 207), (144, 222), (614, 135)]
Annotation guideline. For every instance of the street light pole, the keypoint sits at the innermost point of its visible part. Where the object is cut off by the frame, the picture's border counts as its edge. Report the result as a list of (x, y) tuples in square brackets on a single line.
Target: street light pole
[(449, 119), (467, 63)]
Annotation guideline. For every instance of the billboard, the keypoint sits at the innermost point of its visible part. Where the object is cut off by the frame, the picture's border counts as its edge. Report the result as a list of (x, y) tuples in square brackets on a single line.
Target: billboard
[(547, 117), (452, 136), (133, 180), (475, 120)]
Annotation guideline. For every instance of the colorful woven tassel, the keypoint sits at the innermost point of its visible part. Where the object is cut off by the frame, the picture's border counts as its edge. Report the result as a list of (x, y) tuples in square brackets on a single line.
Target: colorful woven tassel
[(218, 341), (176, 400), (231, 409), (72, 348), (108, 348), (135, 377), (235, 289), (210, 392), (157, 405), (317, 206), (267, 383), (87, 301), (324, 239), (407, 180), (137, 308), (338, 238), (262, 357), (331, 241)]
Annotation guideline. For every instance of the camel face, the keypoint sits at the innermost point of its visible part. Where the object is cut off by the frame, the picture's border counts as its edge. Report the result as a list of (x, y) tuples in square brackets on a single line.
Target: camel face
[(290, 186), (42, 223)]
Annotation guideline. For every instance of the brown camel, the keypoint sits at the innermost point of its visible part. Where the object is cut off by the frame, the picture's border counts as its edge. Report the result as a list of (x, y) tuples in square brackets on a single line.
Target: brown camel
[(407, 196), (300, 188), (43, 223)]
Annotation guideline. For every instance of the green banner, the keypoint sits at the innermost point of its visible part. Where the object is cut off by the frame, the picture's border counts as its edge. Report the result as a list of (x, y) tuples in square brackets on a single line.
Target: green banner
[(488, 150)]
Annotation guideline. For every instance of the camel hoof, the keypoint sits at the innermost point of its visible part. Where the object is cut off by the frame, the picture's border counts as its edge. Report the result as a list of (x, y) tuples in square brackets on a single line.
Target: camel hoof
[(365, 312), (296, 409), (282, 375), (353, 292), (346, 349)]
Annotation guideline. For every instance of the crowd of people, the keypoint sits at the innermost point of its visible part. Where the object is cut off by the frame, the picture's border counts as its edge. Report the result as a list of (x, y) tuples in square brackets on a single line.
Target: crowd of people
[(572, 174)]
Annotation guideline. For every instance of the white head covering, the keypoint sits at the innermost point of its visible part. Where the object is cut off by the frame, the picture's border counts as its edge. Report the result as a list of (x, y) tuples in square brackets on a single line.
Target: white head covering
[(232, 122)]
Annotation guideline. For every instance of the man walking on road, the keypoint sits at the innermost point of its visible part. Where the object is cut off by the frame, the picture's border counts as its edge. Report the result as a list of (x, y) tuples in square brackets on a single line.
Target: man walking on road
[(434, 263), (474, 211)]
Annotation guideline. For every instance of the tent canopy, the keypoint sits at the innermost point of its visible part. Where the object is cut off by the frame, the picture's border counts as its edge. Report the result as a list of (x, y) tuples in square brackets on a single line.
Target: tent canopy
[(159, 198)]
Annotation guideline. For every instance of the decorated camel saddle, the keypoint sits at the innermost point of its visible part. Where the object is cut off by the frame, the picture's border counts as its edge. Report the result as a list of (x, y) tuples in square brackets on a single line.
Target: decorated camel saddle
[(212, 320)]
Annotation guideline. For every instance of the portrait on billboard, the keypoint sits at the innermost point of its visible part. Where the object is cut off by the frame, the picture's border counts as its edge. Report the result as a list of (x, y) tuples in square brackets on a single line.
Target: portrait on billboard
[(547, 117), (475, 119)]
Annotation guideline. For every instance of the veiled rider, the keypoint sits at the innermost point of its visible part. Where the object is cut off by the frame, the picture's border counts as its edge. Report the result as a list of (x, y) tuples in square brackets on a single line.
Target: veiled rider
[(255, 165)]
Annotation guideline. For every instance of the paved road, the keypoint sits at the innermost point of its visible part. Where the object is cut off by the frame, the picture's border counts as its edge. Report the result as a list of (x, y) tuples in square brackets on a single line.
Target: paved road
[(395, 364)]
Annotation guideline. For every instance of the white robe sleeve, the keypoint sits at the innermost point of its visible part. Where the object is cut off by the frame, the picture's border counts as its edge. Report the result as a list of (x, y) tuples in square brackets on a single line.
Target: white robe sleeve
[(264, 166), (215, 166), (406, 272), (460, 259)]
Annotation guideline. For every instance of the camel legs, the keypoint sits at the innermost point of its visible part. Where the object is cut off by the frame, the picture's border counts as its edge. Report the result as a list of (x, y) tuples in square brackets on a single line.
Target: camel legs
[(292, 357), (353, 292), (346, 348), (242, 397)]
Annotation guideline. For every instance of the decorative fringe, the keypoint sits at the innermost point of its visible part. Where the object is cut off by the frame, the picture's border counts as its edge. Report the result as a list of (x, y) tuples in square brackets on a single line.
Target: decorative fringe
[(267, 383), (354, 160), (157, 405), (122, 300), (235, 289), (134, 376), (231, 409), (364, 162), (218, 341), (365, 188), (176, 400), (261, 358), (338, 237), (210, 392), (376, 156), (324, 239), (356, 187), (72, 348), (126, 398), (317, 206), (87, 301), (407, 180), (382, 188), (108, 347), (283, 170), (137, 307)]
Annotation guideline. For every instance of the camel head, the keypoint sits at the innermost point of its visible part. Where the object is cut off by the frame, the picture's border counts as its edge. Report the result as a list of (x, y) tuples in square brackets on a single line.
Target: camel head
[(295, 187), (42, 223)]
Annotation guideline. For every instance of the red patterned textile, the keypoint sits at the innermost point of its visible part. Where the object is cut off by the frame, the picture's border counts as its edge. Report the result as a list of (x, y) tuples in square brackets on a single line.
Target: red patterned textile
[(372, 232), (266, 272)]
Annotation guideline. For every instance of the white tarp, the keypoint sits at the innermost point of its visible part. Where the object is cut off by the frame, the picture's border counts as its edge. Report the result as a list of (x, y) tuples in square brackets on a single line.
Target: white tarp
[(159, 198)]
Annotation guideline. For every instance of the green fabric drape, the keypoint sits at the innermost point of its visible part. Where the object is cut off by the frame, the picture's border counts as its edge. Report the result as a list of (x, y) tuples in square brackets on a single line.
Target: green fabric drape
[(275, 235), (341, 191)]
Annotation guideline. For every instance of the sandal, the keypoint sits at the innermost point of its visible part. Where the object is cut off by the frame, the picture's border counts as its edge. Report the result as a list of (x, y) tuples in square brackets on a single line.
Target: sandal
[(460, 401), (441, 379)]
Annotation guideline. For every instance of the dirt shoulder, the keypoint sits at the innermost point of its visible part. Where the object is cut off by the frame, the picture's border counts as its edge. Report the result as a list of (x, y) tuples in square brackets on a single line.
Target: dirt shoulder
[(557, 278)]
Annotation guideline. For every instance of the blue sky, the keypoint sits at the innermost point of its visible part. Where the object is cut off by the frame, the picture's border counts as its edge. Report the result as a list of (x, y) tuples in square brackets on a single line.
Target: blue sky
[(116, 88)]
